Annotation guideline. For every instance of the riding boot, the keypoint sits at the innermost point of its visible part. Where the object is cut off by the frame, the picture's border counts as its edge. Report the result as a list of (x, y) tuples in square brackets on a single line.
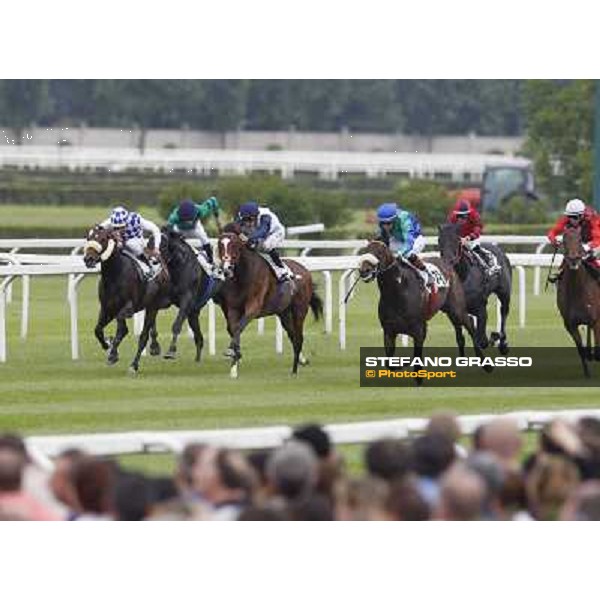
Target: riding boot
[(284, 271), (416, 262), (215, 271)]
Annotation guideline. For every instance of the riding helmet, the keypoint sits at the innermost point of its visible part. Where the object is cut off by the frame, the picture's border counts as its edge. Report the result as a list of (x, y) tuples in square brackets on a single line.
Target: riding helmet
[(187, 210), (118, 217), (462, 209), (386, 213), (574, 208), (249, 209)]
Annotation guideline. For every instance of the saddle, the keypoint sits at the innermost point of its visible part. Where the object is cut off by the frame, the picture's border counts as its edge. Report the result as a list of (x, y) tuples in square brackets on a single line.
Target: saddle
[(147, 272)]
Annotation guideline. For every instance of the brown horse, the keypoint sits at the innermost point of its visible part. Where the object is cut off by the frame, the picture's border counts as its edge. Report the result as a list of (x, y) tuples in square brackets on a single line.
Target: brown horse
[(123, 291), (252, 291), (404, 305), (578, 296)]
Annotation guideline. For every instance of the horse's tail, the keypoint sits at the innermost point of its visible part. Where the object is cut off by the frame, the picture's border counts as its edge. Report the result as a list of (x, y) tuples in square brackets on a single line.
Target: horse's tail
[(316, 305)]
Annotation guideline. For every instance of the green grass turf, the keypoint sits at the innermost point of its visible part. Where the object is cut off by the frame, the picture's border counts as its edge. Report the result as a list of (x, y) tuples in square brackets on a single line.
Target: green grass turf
[(42, 391)]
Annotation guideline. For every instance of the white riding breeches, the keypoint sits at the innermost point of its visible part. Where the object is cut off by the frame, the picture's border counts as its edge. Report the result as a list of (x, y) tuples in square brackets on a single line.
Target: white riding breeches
[(274, 240), (418, 246), (136, 246), (197, 233)]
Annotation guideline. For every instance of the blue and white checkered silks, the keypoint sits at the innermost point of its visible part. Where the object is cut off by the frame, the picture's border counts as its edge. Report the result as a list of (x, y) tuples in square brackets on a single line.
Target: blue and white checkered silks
[(133, 228), (118, 217)]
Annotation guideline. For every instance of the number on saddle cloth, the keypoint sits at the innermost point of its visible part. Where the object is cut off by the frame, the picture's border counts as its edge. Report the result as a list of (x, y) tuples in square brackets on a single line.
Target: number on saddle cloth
[(436, 274)]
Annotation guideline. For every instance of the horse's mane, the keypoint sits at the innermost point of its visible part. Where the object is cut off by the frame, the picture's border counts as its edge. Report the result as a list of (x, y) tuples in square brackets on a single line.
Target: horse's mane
[(232, 227)]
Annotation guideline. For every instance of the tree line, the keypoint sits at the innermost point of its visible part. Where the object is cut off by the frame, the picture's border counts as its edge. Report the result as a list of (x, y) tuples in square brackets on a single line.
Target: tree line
[(424, 107)]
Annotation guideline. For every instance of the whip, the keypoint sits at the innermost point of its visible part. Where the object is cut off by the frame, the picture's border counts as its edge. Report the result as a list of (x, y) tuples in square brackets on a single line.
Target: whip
[(551, 267)]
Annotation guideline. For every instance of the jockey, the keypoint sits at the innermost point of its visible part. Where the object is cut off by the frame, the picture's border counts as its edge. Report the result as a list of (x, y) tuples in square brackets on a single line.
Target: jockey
[(578, 214), (401, 232), (132, 227), (265, 232), (466, 215), (186, 219)]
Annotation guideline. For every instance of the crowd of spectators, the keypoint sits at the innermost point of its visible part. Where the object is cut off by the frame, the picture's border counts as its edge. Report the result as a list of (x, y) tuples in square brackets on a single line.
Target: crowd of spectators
[(438, 475)]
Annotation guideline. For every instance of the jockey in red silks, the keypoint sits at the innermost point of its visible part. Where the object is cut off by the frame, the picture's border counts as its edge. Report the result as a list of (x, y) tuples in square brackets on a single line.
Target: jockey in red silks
[(466, 215), (578, 214)]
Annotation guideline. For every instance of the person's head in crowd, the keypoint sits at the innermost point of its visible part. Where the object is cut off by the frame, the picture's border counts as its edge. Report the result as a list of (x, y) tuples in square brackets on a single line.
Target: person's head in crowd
[(185, 465), (315, 507), (488, 467), (293, 471), (502, 438), (548, 484), (362, 500), (225, 480), (512, 498), (583, 504), (432, 455), (12, 465), (94, 480), (477, 440), (444, 423), (561, 437), (588, 429), (404, 501), (15, 442), (132, 500), (262, 513), (462, 495), (61, 479), (388, 458)]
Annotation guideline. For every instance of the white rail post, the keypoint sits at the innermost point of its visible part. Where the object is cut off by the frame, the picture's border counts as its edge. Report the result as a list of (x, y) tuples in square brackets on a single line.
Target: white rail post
[(74, 315), (138, 322), (3, 294), (522, 295), (260, 326), (328, 302), (212, 338), (537, 271), (404, 340), (25, 282), (342, 306), (9, 294), (278, 336)]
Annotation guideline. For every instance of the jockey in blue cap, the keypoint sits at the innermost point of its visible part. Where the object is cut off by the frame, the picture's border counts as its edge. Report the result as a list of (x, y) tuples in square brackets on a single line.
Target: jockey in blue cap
[(132, 227), (187, 220), (265, 232), (401, 232)]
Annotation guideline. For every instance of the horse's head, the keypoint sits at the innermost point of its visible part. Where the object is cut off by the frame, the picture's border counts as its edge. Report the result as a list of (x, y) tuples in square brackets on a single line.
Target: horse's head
[(100, 245), (449, 242), (170, 242), (375, 259), (229, 249), (573, 247)]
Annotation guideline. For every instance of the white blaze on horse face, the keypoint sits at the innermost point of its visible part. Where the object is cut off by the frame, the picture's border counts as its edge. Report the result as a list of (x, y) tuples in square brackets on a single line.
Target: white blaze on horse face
[(109, 250), (370, 258)]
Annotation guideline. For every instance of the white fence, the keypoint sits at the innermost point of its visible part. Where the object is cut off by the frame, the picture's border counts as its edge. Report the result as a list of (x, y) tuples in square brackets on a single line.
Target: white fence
[(49, 265), (326, 164), (43, 448)]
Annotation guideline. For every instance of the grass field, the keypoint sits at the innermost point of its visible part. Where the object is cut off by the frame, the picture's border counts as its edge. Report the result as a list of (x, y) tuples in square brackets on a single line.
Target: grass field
[(43, 391)]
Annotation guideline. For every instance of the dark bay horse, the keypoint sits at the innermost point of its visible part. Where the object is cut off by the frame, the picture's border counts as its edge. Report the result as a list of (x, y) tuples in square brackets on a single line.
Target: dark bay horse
[(578, 297), (252, 291), (191, 287), (123, 291), (477, 285), (405, 308)]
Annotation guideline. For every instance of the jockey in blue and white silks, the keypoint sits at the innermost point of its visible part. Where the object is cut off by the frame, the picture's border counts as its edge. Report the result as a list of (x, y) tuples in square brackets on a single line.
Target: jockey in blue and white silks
[(133, 227), (265, 233)]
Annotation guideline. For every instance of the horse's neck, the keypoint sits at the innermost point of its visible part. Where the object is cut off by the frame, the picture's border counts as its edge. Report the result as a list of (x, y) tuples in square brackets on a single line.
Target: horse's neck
[(392, 282), (113, 266), (248, 266), (577, 280)]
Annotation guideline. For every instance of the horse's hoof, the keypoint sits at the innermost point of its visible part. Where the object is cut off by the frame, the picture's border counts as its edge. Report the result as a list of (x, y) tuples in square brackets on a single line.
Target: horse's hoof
[(303, 361), (234, 372), (494, 338), (133, 370), (597, 354), (488, 368), (198, 359), (170, 355), (112, 359), (154, 350), (483, 344), (504, 349), (418, 381), (229, 353)]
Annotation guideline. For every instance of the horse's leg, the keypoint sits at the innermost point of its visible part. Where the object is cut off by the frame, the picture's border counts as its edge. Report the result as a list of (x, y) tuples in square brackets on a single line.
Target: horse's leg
[(418, 342), (182, 314), (194, 322), (574, 332), (154, 349), (596, 340), (103, 320), (500, 336), (149, 322), (481, 314), (122, 331), (457, 323), (590, 354), (389, 342)]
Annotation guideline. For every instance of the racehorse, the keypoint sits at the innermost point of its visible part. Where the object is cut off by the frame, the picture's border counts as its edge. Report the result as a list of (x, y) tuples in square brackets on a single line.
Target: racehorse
[(477, 285), (123, 291), (252, 291), (405, 308), (578, 296), (191, 287)]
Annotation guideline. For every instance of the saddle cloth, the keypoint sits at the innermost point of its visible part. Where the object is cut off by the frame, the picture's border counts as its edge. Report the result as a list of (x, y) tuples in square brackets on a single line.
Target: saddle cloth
[(437, 276), (147, 272)]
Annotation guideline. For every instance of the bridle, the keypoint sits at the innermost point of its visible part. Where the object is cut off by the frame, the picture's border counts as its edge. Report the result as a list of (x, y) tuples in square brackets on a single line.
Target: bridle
[(375, 263)]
